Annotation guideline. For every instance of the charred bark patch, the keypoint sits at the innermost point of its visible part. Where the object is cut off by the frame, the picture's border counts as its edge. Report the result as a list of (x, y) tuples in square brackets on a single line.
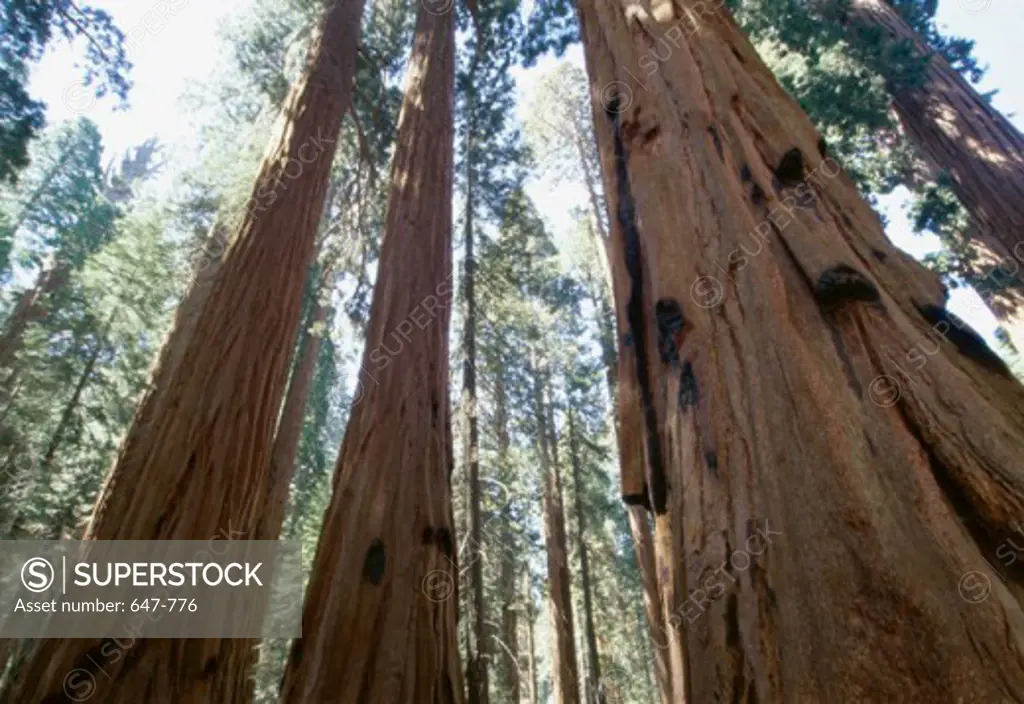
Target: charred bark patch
[(711, 459), (642, 499), (625, 213), (717, 139), (375, 562), (841, 284), (669, 315), (757, 195), (969, 343), (443, 538), (689, 392), (790, 170)]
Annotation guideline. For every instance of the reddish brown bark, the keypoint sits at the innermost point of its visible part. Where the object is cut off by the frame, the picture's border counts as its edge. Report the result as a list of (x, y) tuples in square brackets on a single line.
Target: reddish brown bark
[(960, 133), (595, 692), (30, 308), (531, 642), (199, 461), (564, 675), (759, 390), (293, 414), (376, 630), (476, 667)]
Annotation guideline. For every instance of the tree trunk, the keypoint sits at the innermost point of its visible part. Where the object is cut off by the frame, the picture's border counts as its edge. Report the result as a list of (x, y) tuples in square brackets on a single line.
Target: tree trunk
[(531, 641), (289, 429), (30, 308), (510, 672), (202, 463), (822, 526), (595, 692), (564, 672), (643, 545), (72, 405), (379, 599), (476, 668), (959, 132)]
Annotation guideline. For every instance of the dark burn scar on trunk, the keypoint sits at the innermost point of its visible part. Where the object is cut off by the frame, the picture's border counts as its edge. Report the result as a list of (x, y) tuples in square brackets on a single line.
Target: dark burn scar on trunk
[(443, 538), (689, 393), (669, 315), (843, 283), (717, 139), (625, 213), (712, 461), (968, 342), (757, 195), (642, 499), (790, 170), (375, 562)]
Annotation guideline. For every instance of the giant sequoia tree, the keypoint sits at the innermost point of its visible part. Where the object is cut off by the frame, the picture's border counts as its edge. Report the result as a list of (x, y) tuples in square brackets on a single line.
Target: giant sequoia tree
[(374, 629), (198, 454), (827, 450)]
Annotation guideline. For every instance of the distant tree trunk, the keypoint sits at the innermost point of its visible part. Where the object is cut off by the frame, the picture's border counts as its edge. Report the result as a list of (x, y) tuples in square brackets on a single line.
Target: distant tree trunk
[(643, 545), (784, 446), (289, 429), (373, 601), (531, 641), (30, 308), (76, 396), (564, 670), (203, 461), (476, 668), (510, 562), (961, 134), (595, 692)]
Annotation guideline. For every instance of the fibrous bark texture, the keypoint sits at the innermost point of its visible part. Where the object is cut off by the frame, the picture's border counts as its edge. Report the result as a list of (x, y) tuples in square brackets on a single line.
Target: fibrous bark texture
[(832, 460), (960, 133), (565, 671), (293, 413), (196, 463), (377, 629)]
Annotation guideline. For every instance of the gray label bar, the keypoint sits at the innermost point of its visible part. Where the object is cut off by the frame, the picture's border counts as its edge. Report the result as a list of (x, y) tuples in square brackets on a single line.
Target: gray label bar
[(150, 589)]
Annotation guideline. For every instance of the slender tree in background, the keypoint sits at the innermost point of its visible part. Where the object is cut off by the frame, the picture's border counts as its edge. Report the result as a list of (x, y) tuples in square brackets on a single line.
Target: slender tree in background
[(594, 691), (389, 527), (772, 271), (190, 476), (476, 665), (564, 666)]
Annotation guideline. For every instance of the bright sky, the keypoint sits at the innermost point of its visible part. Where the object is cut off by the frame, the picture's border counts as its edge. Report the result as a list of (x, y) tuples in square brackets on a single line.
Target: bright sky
[(173, 44)]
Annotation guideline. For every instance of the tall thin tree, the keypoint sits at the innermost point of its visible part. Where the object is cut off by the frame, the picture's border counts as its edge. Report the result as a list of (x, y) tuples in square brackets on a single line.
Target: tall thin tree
[(372, 603)]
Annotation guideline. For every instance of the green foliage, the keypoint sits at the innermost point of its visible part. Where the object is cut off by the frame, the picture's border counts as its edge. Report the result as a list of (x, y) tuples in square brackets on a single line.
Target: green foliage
[(27, 27)]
